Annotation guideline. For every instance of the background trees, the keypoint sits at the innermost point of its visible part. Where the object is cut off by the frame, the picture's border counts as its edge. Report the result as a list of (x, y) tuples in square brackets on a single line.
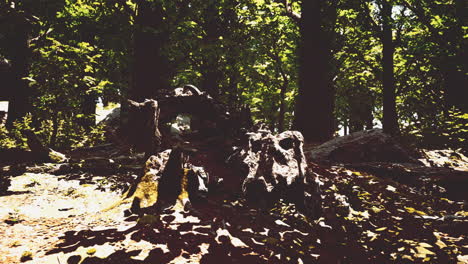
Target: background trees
[(320, 67)]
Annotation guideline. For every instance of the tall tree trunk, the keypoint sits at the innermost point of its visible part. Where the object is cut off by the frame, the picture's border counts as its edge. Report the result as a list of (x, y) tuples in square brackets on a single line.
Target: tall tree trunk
[(369, 118), (210, 73), (390, 119), (19, 98), (456, 80), (150, 69), (314, 104)]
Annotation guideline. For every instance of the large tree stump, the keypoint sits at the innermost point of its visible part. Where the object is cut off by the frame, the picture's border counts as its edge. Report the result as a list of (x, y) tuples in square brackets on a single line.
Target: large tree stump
[(274, 167), (168, 182), (213, 116)]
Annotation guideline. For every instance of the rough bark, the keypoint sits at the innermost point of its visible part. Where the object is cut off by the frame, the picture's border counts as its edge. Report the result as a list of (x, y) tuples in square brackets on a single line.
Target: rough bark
[(210, 73), (390, 118), (150, 71), (20, 53), (314, 104), (364, 146), (144, 134), (88, 108), (456, 78), (168, 182), (274, 167)]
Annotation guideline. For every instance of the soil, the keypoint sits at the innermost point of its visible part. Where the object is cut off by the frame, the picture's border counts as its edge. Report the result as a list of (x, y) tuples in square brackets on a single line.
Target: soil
[(366, 219)]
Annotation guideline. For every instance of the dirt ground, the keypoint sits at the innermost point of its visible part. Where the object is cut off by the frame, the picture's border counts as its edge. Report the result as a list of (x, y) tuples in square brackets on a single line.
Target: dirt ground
[(47, 218)]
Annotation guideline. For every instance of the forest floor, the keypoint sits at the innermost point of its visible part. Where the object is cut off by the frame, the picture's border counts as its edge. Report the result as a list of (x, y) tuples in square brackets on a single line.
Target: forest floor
[(46, 218)]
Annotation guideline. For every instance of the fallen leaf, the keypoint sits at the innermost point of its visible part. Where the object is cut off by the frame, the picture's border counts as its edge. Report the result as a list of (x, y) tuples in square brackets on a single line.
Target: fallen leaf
[(381, 229), (423, 252), (441, 244)]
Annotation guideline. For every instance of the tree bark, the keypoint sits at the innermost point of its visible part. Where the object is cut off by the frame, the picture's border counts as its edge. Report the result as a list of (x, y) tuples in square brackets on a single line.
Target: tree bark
[(150, 70), (88, 108), (210, 72), (19, 49), (282, 109), (314, 104), (145, 136), (390, 118), (456, 78)]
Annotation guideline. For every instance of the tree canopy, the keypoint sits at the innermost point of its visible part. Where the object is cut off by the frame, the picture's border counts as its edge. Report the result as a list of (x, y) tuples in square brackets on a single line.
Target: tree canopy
[(320, 67)]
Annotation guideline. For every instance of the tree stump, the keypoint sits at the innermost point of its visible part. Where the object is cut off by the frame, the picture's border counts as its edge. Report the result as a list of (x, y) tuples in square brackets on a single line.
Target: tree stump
[(143, 127), (274, 167), (168, 182)]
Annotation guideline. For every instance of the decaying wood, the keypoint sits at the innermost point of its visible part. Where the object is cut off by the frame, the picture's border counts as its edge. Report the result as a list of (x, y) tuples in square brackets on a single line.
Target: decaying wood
[(270, 166), (273, 167), (143, 128), (168, 181), (363, 146), (212, 114)]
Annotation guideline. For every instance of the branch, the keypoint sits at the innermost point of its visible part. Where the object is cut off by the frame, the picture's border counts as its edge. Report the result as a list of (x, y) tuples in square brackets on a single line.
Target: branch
[(377, 71), (397, 41), (374, 27), (423, 19), (290, 13)]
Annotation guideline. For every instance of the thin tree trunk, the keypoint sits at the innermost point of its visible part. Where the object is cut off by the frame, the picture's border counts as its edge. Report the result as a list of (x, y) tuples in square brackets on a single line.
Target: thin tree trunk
[(89, 110), (345, 127), (282, 110), (390, 119), (55, 125)]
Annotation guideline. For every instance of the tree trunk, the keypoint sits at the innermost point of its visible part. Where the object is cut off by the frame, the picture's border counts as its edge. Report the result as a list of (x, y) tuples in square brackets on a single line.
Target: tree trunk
[(88, 109), (282, 109), (20, 53), (147, 137), (345, 127), (314, 104), (456, 79), (55, 126), (150, 70), (210, 73), (390, 119)]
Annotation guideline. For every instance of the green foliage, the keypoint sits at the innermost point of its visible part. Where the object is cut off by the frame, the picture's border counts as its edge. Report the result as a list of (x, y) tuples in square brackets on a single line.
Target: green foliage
[(245, 53), (6, 141), (15, 138)]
